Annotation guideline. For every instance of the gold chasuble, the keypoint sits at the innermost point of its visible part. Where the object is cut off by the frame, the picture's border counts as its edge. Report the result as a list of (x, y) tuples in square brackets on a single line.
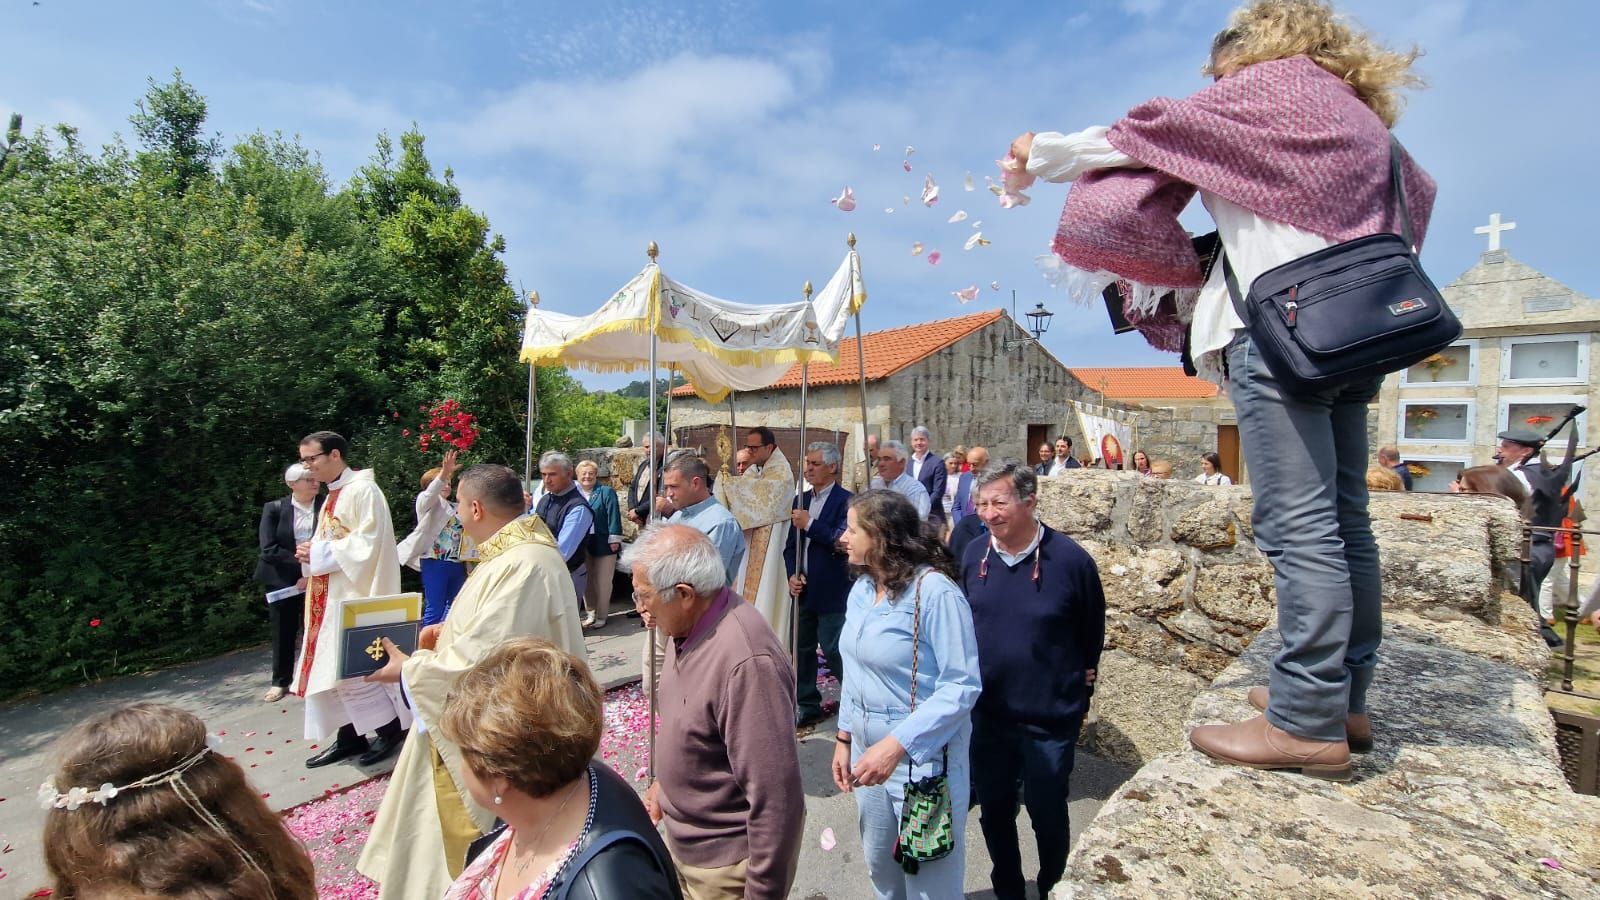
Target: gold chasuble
[(761, 500), (520, 588)]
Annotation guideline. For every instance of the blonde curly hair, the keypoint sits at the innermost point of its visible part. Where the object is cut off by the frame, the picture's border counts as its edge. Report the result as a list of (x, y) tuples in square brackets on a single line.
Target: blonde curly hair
[(1278, 29)]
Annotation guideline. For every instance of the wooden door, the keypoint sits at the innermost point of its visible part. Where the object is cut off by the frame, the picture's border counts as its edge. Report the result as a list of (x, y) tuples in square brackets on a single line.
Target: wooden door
[(1228, 449)]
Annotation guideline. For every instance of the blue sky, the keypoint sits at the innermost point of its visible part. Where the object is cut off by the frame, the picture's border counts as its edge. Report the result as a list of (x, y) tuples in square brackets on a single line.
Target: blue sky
[(723, 129)]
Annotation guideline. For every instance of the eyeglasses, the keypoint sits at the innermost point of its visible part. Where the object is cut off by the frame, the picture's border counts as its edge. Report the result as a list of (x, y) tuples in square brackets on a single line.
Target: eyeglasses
[(638, 594), (308, 460)]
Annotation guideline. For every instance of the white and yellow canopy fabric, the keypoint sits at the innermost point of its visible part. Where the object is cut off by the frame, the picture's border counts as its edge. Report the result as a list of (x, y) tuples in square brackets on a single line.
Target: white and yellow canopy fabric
[(719, 345)]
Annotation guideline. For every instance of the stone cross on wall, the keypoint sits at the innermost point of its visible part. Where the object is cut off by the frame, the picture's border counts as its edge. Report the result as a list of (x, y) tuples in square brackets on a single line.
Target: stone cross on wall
[(1493, 230)]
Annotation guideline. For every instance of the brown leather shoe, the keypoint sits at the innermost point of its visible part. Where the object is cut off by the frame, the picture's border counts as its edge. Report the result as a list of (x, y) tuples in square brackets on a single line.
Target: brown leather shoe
[(1259, 744), (1357, 726)]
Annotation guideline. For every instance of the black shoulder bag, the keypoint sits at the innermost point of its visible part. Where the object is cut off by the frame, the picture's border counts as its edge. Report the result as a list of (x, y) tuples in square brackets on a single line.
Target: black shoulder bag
[(1359, 309)]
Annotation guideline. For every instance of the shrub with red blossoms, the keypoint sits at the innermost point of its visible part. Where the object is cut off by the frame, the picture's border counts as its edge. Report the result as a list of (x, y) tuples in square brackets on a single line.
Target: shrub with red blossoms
[(448, 427)]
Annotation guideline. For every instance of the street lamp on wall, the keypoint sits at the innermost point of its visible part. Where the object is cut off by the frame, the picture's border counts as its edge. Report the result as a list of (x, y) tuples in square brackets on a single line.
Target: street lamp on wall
[(1038, 323)]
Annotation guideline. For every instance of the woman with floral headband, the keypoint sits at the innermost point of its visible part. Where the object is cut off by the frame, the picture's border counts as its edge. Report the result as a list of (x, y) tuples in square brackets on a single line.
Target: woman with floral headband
[(1290, 152), (140, 806)]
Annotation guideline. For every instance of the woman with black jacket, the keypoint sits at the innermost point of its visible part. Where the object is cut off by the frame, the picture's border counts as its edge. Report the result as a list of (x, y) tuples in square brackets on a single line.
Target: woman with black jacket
[(285, 523), (528, 720)]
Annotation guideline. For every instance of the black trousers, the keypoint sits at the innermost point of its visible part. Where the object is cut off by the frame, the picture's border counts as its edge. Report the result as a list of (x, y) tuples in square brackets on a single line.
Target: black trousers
[(1007, 755), (285, 618)]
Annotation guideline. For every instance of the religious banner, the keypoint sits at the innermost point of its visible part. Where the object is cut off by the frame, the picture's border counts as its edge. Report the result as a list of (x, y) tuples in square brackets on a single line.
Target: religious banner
[(1107, 437)]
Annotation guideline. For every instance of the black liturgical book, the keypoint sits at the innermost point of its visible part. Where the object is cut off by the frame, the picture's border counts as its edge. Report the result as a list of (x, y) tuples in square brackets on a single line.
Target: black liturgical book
[(363, 647)]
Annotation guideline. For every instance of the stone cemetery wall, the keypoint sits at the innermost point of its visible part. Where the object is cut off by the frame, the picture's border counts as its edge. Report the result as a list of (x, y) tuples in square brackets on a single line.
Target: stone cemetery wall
[(1187, 591)]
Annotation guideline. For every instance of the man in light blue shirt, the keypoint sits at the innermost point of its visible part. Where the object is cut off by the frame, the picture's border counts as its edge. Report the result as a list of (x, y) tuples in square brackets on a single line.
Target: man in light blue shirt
[(686, 482), (892, 474)]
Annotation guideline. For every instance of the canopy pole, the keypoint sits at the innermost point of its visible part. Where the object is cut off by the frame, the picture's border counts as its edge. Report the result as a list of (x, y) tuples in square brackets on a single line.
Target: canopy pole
[(803, 539), (861, 369), (533, 410), (672, 376), (733, 436), (651, 676)]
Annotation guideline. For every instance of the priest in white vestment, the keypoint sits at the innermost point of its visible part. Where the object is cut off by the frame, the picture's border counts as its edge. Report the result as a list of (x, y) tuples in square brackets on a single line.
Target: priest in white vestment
[(351, 555), (519, 588), (760, 499)]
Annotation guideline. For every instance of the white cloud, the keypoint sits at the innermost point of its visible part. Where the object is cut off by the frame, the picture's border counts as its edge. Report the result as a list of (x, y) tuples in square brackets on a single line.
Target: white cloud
[(637, 122)]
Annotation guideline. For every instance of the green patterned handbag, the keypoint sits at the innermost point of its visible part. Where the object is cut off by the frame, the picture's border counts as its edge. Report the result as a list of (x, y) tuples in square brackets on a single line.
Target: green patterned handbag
[(927, 825)]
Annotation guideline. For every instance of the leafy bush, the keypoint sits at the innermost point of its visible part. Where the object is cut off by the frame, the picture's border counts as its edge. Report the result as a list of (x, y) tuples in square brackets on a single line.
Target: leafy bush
[(174, 319)]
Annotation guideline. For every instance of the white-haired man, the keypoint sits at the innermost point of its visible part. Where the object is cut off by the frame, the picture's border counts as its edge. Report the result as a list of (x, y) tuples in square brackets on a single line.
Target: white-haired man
[(926, 467), (567, 514), (728, 784), (892, 474)]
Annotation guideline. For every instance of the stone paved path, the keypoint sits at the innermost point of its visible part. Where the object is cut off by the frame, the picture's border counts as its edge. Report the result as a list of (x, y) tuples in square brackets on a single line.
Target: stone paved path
[(266, 739)]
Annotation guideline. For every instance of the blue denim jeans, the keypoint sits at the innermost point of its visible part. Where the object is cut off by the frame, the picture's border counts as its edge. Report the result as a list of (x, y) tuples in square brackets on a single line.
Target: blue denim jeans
[(878, 810), (1307, 458)]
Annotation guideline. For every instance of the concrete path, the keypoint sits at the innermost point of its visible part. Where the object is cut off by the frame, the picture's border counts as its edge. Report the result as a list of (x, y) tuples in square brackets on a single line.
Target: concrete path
[(267, 740)]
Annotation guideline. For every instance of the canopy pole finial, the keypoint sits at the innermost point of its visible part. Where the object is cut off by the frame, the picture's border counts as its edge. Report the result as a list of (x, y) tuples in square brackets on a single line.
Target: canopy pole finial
[(652, 251), (807, 289), (533, 298), (851, 240)]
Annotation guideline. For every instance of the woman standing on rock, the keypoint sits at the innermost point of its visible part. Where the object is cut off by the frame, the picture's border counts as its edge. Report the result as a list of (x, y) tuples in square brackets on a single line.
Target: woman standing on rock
[(1290, 152)]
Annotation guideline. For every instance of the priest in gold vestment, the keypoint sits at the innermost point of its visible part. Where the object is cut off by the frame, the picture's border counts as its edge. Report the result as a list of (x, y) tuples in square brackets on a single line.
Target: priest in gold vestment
[(760, 498), (519, 588)]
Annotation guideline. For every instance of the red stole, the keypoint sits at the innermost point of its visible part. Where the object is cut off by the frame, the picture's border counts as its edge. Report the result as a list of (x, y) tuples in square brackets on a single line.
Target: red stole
[(317, 595)]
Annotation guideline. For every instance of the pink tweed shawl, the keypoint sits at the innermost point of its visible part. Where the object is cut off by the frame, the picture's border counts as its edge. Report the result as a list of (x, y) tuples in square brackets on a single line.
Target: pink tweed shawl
[(1284, 139)]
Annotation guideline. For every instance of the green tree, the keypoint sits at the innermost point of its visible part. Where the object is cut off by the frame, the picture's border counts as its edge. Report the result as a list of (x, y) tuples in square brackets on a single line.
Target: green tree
[(172, 319)]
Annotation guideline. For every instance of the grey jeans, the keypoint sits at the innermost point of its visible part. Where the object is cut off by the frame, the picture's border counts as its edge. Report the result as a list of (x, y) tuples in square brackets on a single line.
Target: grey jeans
[(1307, 458)]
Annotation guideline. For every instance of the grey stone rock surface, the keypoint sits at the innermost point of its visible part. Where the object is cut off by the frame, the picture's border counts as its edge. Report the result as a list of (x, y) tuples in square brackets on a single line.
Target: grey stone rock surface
[(1161, 693), (1463, 795)]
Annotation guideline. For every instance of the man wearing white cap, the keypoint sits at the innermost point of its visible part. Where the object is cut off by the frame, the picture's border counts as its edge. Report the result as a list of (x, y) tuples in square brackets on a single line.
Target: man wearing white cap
[(285, 523)]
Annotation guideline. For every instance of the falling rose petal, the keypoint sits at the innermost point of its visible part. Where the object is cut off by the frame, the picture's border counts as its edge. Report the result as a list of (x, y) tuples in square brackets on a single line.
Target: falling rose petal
[(94, 623), (1009, 201), (845, 201), (977, 240), (889, 210), (910, 150), (916, 248), (994, 285), (977, 224), (930, 191), (934, 257), (966, 294), (905, 201), (906, 164), (828, 840), (994, 189), (875, 147), (960, 216), (966, 183)]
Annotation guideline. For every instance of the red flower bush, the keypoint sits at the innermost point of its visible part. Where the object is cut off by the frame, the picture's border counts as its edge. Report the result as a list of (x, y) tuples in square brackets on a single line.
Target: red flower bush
[(447, 426)]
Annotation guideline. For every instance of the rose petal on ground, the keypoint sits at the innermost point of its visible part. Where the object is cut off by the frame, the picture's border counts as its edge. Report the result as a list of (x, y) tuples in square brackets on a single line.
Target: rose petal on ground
[(828, 841)]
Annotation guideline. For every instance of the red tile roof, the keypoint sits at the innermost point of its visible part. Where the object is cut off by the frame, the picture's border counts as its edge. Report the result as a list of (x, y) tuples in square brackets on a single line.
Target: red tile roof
[(887, 351), (1137, 383)]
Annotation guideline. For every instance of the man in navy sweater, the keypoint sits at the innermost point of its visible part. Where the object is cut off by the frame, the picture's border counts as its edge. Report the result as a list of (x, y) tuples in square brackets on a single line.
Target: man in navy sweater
[(1039, 614)]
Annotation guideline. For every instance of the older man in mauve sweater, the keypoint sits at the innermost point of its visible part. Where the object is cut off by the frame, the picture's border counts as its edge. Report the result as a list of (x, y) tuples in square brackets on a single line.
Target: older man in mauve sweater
[(727, 772)]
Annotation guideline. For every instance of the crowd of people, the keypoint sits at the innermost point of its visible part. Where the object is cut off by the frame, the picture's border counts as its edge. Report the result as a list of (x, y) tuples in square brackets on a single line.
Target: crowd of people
[(966, 634)]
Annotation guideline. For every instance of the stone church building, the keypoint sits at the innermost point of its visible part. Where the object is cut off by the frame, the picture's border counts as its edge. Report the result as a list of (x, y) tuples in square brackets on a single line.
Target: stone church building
[(1524, 359)]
